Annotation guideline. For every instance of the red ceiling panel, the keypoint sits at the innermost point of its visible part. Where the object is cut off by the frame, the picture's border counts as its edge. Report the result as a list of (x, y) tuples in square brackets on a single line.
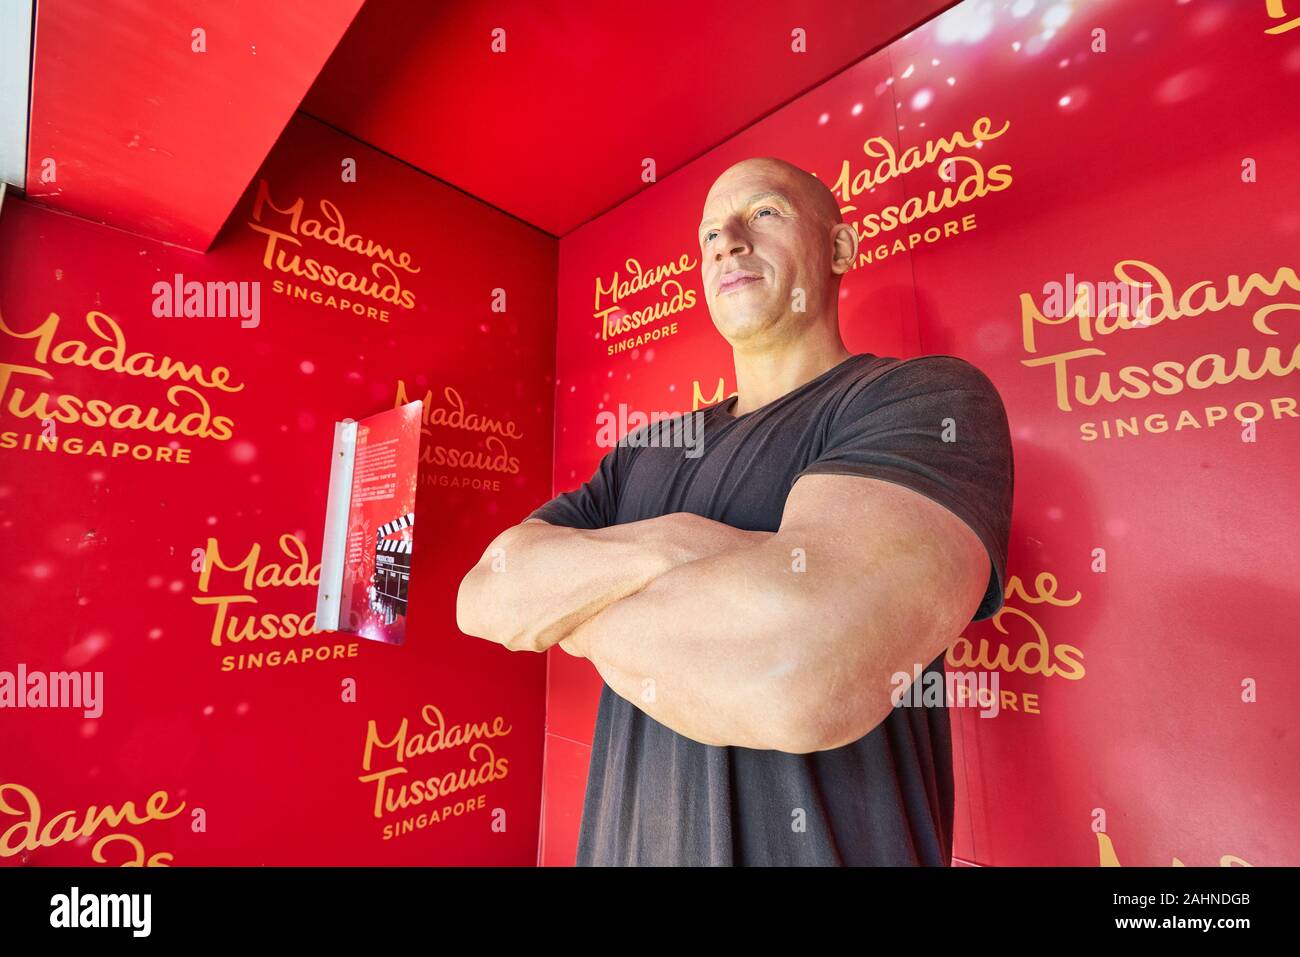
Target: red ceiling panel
[(555, 129), (150, 135)]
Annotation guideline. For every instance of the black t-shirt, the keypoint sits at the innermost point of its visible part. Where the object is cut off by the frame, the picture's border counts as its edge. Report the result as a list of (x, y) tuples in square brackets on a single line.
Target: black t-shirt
[(935, 424)]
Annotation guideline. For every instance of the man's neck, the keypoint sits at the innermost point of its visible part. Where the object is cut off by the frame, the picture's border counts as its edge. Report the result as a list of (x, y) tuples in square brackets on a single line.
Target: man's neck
[(763, 377)]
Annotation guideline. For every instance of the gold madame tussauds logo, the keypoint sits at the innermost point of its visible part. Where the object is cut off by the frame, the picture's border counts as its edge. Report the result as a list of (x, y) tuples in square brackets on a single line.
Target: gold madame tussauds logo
[(441, 795), (444, 464), (616, 320), (289, 234), (1079, 382), (1034, 655), (253, 634), (965, 178), (1108, 857), (1277, 10), (31, 830), (29, 391)]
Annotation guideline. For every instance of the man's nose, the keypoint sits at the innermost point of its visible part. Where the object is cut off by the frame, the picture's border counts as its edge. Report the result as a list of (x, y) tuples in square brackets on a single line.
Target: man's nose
[(732, 240)]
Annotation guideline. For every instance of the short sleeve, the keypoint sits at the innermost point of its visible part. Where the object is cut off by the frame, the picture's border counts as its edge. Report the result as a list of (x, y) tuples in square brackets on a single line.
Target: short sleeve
[(594, 504), (937, 425)]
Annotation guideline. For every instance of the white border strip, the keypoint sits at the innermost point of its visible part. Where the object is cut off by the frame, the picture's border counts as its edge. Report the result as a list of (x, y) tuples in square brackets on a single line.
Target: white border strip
[(337, 508), (15, 88)]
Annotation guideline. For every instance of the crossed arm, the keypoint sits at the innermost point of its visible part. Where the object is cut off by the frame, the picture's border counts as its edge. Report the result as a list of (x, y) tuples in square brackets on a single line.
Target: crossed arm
[(783, 640)]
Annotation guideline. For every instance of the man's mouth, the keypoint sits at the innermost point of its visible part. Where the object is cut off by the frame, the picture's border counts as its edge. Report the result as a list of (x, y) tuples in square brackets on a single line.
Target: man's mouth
[(736, 280)]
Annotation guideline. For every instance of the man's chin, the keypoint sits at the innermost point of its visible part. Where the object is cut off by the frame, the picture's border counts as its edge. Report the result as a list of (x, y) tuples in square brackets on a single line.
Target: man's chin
[(741, 324)]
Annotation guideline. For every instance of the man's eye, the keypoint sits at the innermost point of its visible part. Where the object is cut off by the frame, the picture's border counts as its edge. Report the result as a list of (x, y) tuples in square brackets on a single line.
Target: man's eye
[(708, 237)]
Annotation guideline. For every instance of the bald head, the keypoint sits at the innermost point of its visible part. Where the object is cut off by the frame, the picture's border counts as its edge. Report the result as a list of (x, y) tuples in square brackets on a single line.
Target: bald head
[(773, 250), (811, 194)]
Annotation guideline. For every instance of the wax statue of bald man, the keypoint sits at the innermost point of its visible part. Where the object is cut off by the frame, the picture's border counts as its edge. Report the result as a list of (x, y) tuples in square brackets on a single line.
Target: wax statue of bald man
[(751, 608)]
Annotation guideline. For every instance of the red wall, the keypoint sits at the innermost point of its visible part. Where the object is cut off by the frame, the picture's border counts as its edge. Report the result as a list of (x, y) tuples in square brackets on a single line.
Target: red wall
[(1153, 572), (589, 89), (103, 551), (152, 116)]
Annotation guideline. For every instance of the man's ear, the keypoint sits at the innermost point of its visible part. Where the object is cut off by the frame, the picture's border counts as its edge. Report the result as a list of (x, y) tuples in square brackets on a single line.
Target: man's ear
[(845, 248)]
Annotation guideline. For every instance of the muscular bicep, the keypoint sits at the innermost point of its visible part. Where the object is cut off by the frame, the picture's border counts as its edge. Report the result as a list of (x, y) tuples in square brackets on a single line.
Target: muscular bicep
[(899, 574)]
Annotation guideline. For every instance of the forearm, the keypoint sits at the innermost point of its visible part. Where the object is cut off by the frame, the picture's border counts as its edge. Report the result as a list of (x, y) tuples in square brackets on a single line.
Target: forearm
[(715, 649), (535, 582), (797, 643)]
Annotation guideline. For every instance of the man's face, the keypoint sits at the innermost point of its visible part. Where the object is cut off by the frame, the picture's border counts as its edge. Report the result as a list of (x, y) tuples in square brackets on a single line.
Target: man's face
[(761, 239)]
